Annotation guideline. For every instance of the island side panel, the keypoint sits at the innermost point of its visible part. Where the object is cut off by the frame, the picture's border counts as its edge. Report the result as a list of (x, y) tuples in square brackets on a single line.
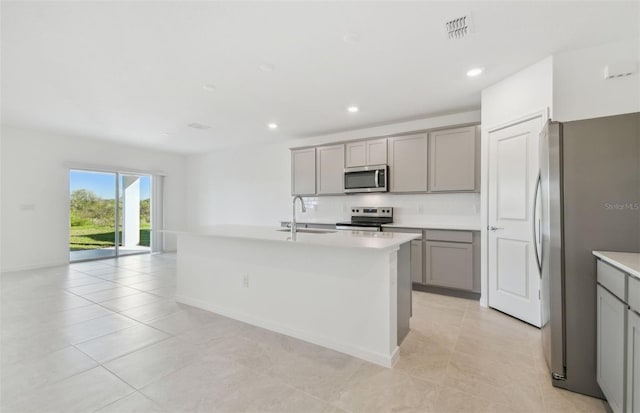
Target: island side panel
[(340, 298), (404, 287)]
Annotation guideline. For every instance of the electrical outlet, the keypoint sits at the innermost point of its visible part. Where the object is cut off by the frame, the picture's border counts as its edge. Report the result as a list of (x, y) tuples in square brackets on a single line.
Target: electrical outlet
[(245, 281)]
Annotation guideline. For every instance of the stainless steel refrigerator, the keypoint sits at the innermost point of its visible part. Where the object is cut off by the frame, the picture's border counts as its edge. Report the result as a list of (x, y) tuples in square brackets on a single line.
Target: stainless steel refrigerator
[(589, 192)]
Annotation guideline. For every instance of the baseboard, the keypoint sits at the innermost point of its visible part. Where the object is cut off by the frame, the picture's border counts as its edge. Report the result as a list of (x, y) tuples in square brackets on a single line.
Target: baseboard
[(373, 357), (447, 291), (32, 266)]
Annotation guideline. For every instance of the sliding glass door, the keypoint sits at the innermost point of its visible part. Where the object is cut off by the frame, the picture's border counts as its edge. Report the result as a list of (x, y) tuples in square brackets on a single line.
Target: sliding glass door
[(109, 214)]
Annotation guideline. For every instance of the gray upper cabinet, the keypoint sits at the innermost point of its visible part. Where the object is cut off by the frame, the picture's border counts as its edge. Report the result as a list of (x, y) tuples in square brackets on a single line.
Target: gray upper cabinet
[(330, 169), (453, 159), (363, 153), (303, 171), (376, 151), (408, 163)]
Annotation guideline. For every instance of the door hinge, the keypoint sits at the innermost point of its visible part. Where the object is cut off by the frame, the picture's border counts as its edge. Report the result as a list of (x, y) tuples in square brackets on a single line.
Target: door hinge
[(558, 376)]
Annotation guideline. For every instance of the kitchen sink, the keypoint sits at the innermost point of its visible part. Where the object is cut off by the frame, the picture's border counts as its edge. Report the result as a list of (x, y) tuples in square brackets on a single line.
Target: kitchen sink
[(309, 231)]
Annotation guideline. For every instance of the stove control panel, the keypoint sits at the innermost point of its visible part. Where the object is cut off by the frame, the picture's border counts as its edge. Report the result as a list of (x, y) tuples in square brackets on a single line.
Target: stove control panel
[(386, 212)]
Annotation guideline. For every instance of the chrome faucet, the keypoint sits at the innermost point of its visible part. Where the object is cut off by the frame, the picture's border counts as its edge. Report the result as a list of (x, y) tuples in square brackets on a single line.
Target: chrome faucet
[(293, 219)]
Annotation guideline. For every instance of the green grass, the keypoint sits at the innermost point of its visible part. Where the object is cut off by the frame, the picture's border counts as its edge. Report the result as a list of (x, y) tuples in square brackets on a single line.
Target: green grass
[(89, 237)]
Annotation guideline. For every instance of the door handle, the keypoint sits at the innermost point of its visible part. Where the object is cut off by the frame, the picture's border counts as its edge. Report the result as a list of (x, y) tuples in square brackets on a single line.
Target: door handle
[(492, 228), (377, 174), (538, 253)]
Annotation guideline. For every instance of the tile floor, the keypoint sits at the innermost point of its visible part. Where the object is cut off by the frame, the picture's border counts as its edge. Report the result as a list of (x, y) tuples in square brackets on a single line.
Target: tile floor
[(107, 336)]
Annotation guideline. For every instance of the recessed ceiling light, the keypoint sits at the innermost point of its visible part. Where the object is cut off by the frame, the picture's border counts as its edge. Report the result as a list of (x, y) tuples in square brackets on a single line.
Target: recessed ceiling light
[(209, 87), (476, 71), (267, 67), (196, 125), (273, 126), (353, 109), (351, 38)]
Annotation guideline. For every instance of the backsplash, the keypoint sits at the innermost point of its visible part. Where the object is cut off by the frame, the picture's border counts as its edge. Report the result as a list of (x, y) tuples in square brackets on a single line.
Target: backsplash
[(407, 208)]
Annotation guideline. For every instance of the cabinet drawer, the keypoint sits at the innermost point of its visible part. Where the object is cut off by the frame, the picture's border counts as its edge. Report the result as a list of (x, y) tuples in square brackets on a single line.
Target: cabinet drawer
[(449, 236), (612, 279), (633, 291)]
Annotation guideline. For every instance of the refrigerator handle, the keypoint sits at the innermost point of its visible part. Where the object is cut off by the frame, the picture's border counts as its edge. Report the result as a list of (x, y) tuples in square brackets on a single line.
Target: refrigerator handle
[(534, 226)]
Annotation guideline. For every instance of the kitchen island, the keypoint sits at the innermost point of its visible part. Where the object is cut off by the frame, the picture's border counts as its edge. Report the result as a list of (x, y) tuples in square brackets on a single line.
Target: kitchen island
[(346, 290)]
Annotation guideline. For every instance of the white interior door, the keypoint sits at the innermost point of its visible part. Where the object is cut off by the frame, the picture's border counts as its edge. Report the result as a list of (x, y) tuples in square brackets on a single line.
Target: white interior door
[(514, 280)]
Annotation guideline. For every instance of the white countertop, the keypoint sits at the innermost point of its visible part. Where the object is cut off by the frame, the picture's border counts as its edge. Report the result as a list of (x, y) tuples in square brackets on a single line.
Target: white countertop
[(338, 239), (628, 262), (459, 225)]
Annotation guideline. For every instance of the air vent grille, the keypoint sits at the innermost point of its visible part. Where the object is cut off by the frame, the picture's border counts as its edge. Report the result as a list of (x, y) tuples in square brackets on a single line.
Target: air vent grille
[(458, 28), (196, 125)]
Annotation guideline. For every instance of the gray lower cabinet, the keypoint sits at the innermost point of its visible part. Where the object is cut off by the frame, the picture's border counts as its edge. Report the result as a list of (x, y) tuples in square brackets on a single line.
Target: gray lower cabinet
[(303, 171), (330, 170), (408, 163), (453, 159), (633, 361), (611, 325), (449, 264), (416, 261)]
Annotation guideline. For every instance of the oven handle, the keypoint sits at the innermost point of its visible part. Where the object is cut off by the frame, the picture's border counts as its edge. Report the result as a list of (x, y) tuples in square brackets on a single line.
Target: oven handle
[(377, 178)]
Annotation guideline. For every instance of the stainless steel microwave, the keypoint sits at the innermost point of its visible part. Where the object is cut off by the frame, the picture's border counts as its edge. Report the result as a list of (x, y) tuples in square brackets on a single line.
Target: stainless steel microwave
[(373, 178)]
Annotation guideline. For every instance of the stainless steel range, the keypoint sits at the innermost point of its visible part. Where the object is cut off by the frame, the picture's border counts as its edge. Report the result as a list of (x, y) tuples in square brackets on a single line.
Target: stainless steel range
[(367, 219)]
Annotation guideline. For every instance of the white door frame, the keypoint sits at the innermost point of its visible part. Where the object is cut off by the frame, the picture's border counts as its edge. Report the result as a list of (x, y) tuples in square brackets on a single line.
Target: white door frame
[(484, 195)]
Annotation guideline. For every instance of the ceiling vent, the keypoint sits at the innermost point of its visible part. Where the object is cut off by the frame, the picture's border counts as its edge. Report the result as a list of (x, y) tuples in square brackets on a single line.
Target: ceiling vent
[(459, 27), (620, 69), (196, 125)]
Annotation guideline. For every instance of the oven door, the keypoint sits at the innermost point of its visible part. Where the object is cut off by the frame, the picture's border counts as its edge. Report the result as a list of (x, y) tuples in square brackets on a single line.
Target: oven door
[(366, 179)]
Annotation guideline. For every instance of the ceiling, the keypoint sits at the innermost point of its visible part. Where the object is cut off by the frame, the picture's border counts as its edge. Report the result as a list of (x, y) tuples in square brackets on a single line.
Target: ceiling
[(134, 71)]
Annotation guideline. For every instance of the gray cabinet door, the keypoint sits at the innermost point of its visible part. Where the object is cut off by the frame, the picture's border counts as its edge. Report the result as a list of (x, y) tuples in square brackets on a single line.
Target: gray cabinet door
[(611, 314), (303, 171), (356, 154), (330, 170), (408, 163), (376, 151), (452, 159), (416, 262), (449, 264), (362, 153), (633, 362)]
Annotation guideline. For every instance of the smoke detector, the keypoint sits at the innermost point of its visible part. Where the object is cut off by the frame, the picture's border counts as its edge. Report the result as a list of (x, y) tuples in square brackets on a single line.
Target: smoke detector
[(459, 27), (196, 125)]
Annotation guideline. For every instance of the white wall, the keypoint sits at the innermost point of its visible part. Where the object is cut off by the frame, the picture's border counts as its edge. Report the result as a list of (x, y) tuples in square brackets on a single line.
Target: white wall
[(580, 90), (33, 172), (252, 184), (525, 93)]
